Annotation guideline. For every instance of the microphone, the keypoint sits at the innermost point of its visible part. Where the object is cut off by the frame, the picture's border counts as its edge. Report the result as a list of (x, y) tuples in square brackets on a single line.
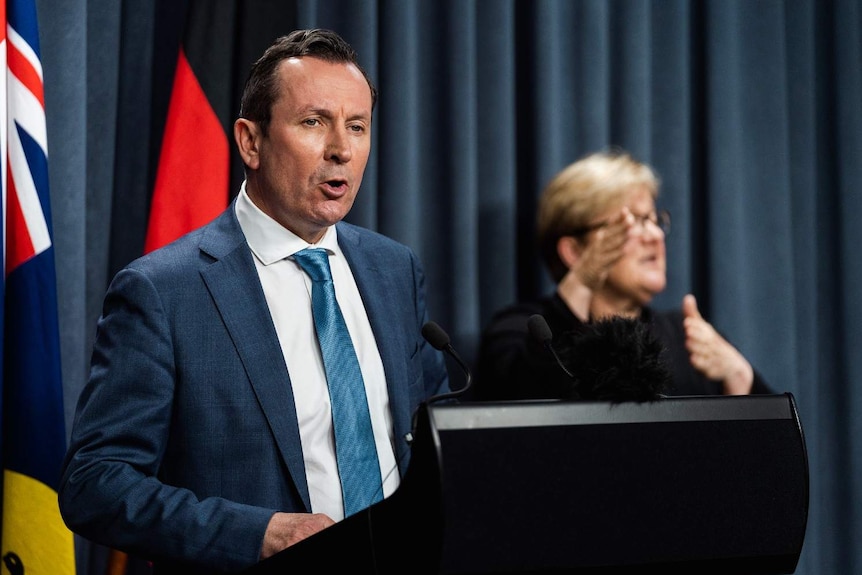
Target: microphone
[(615, 359), (439, 339), (541, 332)]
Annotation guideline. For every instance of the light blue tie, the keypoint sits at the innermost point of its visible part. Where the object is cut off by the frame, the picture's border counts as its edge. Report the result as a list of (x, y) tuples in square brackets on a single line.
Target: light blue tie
[(355, 449)]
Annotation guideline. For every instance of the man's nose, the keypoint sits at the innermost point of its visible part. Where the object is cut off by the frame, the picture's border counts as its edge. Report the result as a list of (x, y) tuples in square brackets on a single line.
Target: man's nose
[(338, 148)]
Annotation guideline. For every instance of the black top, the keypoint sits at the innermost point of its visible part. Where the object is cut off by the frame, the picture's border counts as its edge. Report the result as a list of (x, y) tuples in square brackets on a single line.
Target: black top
[(513, 365)]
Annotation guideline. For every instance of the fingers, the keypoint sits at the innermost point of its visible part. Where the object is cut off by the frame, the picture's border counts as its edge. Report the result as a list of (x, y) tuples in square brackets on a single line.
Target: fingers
[(701, 340), (618, 229), (286, 529), (609, 242), (705, 348), (699, 336), (608, 247), (605, 248), (712, 355)]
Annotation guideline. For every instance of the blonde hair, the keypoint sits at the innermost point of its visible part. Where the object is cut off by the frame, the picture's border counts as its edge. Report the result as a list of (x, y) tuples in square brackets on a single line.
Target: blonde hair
[(583, 191)]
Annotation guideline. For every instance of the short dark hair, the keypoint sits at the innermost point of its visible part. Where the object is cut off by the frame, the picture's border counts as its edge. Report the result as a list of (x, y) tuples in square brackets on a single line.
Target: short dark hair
[(261, 87)]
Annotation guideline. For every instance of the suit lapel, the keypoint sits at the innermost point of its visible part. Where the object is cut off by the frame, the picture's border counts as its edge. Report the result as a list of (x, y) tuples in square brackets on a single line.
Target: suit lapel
[(233, 282), (375, 281)]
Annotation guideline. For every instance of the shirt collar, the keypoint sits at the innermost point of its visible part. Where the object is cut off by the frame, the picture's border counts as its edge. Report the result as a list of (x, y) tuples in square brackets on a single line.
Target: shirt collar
[(269, 241)]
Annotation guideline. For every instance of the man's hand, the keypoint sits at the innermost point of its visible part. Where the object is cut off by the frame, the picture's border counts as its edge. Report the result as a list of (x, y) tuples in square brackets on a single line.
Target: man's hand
[(285, 529), (712, 355)]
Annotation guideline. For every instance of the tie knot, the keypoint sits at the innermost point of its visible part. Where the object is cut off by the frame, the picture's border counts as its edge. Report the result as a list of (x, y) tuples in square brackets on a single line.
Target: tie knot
[(315, 262)]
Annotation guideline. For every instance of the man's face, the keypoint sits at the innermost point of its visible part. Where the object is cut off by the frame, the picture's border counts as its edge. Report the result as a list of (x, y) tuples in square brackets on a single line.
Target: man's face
[(306, 171)]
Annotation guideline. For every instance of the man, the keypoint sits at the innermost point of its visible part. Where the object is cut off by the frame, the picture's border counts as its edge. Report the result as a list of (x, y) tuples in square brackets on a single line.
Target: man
[(204, 438)]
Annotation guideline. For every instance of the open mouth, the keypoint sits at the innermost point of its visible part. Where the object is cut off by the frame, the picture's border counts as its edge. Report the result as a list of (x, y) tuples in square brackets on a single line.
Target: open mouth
[(336, 186)]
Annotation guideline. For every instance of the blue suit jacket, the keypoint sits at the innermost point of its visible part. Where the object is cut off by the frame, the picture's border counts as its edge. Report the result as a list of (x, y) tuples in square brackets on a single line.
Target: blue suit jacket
[(186, 438)]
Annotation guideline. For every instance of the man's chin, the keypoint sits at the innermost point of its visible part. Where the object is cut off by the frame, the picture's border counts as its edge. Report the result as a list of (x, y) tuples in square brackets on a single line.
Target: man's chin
[(332, 213)]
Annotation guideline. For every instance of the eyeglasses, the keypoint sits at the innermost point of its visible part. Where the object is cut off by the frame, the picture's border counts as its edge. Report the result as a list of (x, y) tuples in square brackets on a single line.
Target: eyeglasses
[(660, 219)]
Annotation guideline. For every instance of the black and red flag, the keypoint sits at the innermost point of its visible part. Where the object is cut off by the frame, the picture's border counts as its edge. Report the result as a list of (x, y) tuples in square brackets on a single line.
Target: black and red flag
[(193, 174), (198, 169)]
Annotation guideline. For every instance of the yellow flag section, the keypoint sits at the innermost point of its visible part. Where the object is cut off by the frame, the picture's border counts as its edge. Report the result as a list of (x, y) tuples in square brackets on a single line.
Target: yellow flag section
[(30, 514)]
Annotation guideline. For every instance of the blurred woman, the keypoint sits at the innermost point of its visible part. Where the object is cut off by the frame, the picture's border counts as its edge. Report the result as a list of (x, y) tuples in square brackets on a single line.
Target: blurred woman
[(603, 242)]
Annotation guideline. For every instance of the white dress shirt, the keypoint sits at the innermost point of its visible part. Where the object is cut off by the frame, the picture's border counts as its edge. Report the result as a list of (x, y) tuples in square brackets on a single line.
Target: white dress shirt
[(288, 294)]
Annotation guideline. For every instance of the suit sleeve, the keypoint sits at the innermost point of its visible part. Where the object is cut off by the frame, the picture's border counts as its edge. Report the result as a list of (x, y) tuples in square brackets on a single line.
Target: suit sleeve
[(110, 489), (435, 375)]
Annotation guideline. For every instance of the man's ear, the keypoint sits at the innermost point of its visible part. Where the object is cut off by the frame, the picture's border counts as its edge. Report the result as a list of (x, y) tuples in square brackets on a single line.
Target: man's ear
[(569, 250), (247, 136)]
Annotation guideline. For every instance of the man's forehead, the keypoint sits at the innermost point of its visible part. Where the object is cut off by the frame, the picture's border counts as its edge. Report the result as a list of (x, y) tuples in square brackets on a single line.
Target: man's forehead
[(299, 74)]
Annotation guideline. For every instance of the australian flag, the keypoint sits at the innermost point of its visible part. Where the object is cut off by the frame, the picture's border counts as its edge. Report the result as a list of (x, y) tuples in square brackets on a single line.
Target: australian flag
[(34, 539)]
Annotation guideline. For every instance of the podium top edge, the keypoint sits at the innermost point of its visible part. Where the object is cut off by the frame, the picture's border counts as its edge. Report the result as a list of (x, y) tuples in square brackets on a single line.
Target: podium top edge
[(543, 413)]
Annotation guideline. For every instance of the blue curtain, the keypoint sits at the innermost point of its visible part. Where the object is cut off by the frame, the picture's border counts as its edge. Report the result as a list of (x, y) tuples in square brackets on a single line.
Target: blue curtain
[(750, 111)]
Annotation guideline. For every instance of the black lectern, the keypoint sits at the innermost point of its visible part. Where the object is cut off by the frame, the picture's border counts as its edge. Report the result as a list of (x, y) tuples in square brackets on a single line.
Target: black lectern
[(707, 485)]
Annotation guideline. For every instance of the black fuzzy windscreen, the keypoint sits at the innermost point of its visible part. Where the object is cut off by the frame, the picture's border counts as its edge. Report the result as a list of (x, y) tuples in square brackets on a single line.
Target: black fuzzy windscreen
[(616, 359)]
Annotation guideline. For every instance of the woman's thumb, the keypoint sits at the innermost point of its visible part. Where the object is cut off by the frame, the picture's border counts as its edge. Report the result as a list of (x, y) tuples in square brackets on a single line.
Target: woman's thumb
[(689, 307)]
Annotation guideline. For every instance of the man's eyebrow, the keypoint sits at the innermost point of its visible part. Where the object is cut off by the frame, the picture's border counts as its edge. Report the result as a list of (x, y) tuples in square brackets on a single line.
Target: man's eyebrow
[(316, 111), (327, 113)]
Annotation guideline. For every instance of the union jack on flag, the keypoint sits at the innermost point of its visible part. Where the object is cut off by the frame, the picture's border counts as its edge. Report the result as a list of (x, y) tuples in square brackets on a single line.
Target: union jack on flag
[(34, 540)]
